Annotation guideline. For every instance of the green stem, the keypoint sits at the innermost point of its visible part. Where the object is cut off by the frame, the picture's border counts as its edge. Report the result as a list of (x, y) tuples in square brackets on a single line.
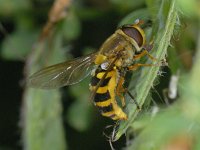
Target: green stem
[(148, 75), (43, 128)]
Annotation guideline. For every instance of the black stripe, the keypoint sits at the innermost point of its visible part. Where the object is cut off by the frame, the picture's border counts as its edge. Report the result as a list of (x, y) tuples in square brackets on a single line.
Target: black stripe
[(105, 109), (101, 97), (99, 70), (95, 81)]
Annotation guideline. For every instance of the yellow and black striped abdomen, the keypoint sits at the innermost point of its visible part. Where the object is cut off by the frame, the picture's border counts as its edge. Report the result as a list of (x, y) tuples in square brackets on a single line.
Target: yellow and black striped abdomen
[(104, 98)]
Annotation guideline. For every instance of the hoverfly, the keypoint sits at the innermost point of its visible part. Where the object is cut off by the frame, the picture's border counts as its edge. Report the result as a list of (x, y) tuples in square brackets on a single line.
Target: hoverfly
[(116, 56)]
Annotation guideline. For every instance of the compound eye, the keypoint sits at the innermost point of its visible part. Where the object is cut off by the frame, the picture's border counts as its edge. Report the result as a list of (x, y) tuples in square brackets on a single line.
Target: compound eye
[(134, 33)]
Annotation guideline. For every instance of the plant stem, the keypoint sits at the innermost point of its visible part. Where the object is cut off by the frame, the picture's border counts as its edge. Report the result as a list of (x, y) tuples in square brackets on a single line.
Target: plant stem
[(148, 75)]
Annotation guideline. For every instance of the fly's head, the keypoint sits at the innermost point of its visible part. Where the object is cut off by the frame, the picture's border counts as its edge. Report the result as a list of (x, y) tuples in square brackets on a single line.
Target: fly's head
[(135, 35)]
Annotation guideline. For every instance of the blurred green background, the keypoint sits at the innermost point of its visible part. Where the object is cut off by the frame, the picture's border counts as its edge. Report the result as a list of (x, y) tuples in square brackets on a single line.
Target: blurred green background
[(38, 33)]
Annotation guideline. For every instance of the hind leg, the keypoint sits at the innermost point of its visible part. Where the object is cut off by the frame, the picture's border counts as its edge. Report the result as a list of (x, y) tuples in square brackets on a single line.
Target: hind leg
[(120, 90)]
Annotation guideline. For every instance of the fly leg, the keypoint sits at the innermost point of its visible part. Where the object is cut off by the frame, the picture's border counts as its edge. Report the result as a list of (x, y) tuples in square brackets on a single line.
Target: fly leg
[(135, 66), (120, 90), (143, 53)]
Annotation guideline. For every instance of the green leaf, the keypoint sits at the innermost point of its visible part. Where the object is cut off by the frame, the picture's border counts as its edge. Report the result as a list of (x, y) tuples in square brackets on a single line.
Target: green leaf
[(189, 8), (141, 14), (71, 27), (18, 45), (80, 114), (176, 126), (148, 74), (127, 4), (158, 131), (43, 128), (174, 61), (43, 123), (12, 7)]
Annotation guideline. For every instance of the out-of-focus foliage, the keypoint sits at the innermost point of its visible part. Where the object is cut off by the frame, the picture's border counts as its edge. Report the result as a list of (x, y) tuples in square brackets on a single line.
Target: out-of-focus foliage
[(12, 47), (12, 8), (82, 106), (43, 108), (189, 8), (79, 27), (71, 27)]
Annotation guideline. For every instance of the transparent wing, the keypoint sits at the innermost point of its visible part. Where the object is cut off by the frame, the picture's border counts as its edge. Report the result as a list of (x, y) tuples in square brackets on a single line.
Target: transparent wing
[(67, 73)]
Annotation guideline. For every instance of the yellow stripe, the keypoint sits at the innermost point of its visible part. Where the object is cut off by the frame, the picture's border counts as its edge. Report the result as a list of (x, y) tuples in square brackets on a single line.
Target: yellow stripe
[(100, 74), (115, 118), (103, 104), (102, 90)]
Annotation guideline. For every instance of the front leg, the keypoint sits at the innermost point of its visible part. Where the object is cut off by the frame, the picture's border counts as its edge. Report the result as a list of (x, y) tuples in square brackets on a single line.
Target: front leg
[(144, 52), (120, 90), (135, 66)]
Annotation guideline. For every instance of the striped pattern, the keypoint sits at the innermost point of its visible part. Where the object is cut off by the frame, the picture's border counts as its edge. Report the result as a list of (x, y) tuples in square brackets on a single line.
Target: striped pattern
[(104, 98), (96, 80), (101, 97)]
